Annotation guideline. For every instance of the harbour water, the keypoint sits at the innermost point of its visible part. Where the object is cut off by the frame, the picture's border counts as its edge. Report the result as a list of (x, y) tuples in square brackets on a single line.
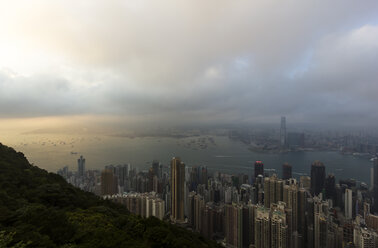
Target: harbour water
[(218, 153)]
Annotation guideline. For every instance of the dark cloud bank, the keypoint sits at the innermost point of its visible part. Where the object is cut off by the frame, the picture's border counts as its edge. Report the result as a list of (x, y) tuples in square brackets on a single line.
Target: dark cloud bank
[(206, 63)]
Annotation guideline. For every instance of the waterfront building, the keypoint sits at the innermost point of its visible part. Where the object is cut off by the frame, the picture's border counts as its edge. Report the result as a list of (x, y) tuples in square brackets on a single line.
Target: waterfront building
[(286, 171), (317, 177), (259, 168)]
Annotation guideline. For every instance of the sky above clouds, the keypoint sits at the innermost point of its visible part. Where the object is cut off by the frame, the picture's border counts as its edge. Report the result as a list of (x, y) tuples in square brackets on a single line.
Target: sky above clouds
[(190, 62)]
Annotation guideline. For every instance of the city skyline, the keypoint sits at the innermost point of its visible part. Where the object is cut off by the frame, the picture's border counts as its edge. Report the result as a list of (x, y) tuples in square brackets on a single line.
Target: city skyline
[(217, 123), (267, 211)]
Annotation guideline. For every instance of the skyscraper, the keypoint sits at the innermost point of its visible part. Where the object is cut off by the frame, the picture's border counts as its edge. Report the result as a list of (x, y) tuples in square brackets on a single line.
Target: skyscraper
[(286, 171), (109, 184), (156, 168), (81, 166), (375, 188), (302, 199), (283, 132), (348, 203), (259, 168), (203, 176), (317, 177), (364, 237), (273, 190), (177, 190), (330, 187), (278, 230), (305, 182), (290, 197), (262, 228), (121, 171), (234, 225), (320, 230)]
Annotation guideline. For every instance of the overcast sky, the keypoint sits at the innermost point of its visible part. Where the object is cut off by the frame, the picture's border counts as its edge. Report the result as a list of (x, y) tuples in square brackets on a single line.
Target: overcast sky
[(197, 61)]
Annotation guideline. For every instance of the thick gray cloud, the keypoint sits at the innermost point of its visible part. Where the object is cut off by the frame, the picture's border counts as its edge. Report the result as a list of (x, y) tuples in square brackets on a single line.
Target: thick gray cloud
[(191, 61)]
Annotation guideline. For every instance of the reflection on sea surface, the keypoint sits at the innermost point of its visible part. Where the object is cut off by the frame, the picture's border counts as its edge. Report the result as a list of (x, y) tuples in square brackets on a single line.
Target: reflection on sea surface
[(218, 153)]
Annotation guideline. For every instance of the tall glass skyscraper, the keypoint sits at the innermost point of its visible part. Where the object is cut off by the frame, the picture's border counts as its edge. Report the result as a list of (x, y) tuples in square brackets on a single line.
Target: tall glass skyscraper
[(259, 168), (317, 177), (81, 166), (375, 186), (177, 190), (286, 171)]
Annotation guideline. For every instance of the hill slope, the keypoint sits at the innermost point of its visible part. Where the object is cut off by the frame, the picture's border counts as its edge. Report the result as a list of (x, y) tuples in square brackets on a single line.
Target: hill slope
[(40, 209)]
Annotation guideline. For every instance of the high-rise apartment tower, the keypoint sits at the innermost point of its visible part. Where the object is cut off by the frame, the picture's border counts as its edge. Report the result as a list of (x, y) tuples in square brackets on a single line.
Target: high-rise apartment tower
[(81, 166), (317, 177), (177, 190), (259, 168), (286, 171)]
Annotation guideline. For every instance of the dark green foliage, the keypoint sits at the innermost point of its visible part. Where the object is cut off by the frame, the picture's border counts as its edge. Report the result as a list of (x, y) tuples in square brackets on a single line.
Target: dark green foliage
[(40, 209)]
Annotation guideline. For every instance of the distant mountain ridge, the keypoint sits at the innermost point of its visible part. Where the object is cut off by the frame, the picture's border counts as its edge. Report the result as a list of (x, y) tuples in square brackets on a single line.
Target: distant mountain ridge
[(40, 209)]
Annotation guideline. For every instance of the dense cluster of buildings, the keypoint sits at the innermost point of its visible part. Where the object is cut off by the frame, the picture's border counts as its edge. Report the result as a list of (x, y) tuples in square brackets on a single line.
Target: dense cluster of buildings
[(115, 179), (143, 204), (240, 210), (267, 139)]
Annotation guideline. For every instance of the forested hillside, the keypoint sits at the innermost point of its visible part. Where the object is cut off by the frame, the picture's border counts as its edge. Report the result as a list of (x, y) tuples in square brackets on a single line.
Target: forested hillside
[(40, 209)]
